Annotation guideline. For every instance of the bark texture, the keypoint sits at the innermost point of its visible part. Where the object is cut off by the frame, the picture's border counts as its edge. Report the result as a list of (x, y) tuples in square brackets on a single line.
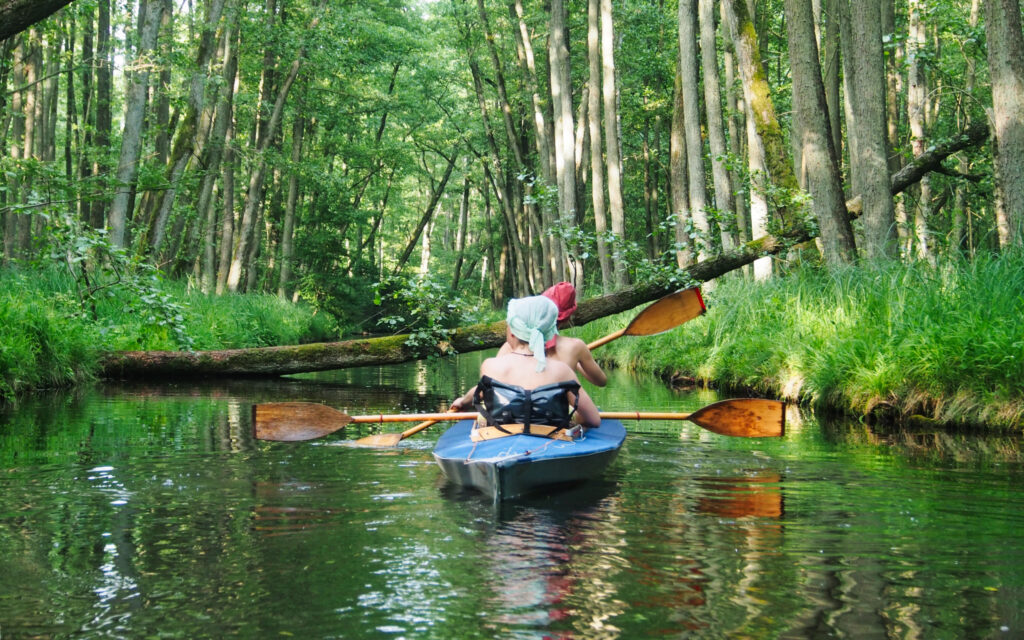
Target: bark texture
[(18, 15)]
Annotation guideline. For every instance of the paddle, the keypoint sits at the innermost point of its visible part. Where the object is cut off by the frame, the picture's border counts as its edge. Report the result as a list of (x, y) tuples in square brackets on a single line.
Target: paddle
[(667, 313), (296, 421)]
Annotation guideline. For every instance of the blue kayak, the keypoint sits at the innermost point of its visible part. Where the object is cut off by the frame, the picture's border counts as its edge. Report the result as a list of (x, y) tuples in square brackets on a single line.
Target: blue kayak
[(515, 465)]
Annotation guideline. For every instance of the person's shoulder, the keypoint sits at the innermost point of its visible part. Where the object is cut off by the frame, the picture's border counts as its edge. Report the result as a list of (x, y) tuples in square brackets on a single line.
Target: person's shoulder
[(560, 370)]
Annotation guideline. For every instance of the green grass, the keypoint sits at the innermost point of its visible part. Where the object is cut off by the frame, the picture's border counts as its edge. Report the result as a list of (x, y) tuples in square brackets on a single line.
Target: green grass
[(52, 334), (885, 339)]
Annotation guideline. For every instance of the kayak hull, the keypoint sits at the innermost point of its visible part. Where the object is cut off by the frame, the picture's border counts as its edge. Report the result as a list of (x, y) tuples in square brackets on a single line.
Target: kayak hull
[(518, 465)]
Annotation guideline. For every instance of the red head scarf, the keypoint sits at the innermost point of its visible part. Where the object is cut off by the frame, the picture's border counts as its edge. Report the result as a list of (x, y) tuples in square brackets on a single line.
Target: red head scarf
[(563, 295)]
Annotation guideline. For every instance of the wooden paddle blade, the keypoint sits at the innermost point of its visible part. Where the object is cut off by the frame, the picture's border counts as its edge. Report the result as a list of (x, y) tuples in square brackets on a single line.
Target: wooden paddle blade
[(667, 313), (743, 417), (379, 440), (295, 421)]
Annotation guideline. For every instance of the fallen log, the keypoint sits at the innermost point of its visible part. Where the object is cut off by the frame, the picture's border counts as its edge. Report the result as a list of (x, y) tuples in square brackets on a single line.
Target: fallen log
[(324, 356)]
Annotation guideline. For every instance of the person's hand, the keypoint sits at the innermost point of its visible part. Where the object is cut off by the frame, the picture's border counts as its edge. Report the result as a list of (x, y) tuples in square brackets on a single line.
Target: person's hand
[(456, 406)]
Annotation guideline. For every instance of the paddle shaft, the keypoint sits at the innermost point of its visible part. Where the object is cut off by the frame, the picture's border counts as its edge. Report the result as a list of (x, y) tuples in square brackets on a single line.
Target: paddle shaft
[(294, 421), (472, 415)]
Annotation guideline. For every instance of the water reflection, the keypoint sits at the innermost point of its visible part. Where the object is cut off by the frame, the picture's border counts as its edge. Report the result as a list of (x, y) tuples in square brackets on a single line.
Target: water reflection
[(132, 510)]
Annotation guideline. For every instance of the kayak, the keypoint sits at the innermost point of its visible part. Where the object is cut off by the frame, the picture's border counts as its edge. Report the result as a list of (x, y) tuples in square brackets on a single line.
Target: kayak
[(516, 465)]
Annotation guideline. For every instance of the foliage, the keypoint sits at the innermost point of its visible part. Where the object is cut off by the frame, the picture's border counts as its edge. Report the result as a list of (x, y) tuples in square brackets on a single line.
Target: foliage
[(423, 308), (888, 339)]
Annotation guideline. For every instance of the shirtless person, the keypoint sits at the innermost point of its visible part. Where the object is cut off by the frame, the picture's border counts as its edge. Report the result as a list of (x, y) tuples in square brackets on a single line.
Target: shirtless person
[(530, 322), (571, 351)]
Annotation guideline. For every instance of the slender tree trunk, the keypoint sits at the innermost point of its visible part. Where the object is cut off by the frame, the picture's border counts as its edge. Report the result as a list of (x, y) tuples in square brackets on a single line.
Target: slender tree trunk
[(811, 131), (104, 82), (428, 213), (504, 196), (189, 137), (737, 130), (30, 148), (17, 140), (766, 151), (609, 95), (596, 160), (542, 134), (694, 141), (288, 233), (959, 225), (1006, 68), (87, 123), (830, 73), (462, 232), (131, 136), (864, 69), (678, 178), (227, 230), (724, 203), (207, 203), (917, 105), (561, 98), (254, 193)]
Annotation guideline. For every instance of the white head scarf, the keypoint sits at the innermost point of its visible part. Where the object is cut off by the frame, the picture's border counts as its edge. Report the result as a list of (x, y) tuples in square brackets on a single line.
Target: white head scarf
[(533, 320)]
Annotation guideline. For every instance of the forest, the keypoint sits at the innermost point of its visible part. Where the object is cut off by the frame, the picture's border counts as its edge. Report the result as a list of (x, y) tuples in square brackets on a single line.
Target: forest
[(406, 166)]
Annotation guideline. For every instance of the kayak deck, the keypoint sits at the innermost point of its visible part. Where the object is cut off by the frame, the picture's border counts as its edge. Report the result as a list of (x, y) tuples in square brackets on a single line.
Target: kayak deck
[(509, 467)]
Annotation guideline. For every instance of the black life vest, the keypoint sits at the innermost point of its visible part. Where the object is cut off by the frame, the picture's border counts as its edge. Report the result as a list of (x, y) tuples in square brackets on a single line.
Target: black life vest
[(500, 403)]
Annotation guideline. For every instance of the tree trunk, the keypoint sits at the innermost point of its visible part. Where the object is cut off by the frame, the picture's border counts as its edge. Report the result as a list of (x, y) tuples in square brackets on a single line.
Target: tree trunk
[(189, 137), (18, 15), (227, 223), (462, 231), (207, 203), (542, 132), (678, 178), (613, 159), (766, 152), (254, 193), (134, 112), (428, 213), (284, 284), (812, 135), (736, 107), (917, 107), (830, 73), (724, 202), (596, 160), (691, 116), (500, 185), (561, 98), (864, 69), (104, 118), (13, 193), (1006, 67)]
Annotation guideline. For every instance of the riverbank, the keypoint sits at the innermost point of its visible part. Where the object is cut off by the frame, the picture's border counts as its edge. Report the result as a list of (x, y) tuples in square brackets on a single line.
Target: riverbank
[(53, 331), (895, 343)]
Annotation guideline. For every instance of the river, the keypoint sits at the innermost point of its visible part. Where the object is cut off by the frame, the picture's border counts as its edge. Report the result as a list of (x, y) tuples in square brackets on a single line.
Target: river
[(149, 511)]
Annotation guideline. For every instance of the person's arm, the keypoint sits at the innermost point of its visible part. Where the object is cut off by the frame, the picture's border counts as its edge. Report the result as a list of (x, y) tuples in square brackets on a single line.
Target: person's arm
[(586, 411), (587, 366), (463, 403)]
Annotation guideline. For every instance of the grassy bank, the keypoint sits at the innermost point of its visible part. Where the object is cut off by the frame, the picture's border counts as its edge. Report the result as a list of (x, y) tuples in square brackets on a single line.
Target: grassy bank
[(52, 331), (885, 340)]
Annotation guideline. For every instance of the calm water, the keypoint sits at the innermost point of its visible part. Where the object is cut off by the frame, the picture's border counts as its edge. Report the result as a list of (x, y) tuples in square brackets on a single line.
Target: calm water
[(149, 511)]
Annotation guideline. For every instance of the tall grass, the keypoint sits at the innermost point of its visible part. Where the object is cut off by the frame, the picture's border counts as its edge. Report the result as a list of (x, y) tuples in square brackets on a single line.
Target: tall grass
[(884, 338), (52, 332)]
